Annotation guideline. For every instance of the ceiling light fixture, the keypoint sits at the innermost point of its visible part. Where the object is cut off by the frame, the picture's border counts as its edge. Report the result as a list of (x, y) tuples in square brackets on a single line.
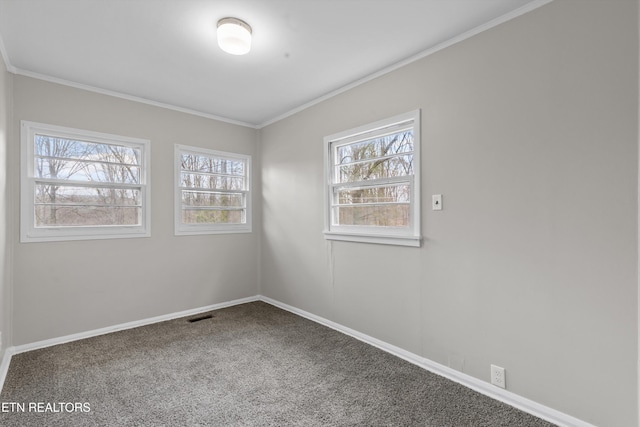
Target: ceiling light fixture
[(234, 36)]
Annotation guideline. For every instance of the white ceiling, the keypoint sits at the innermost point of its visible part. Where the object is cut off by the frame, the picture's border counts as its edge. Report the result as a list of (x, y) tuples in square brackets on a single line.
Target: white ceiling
[(165, 51)]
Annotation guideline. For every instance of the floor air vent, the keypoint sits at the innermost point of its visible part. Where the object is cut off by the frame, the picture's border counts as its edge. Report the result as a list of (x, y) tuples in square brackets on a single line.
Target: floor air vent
[(197, 319)]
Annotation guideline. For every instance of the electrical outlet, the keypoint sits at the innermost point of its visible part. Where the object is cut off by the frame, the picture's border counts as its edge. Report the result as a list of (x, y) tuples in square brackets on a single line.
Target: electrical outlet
[(498, 376)]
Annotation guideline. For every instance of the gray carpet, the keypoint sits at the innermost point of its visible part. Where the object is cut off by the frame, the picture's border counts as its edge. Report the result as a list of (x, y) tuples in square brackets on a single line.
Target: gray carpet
[(249, 365)]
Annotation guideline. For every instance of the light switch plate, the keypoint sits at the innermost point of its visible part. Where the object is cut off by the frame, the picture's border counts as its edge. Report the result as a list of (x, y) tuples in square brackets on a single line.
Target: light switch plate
[(436, 202)]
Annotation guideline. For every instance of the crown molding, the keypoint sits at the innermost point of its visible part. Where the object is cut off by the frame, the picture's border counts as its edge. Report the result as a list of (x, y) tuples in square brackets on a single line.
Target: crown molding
[(44, 77), (477, 30), (5, 57), (468, 34)]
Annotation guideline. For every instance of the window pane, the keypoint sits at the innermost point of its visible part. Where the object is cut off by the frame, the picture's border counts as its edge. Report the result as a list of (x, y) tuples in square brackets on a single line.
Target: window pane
[(213, 182), (386, 194), (82, 184), (65, 194), (212, 192), (208, 216), (401, 165), (77, 170), (373, 215), (199, 163), (48, 146), (61, 215), (398, 143), (372, 172), (199, 198)]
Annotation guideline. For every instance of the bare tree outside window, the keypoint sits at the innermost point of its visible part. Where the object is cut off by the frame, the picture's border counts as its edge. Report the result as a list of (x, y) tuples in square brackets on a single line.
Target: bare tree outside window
[(80, 183), (373, 165), (212, 189), (373, 182)]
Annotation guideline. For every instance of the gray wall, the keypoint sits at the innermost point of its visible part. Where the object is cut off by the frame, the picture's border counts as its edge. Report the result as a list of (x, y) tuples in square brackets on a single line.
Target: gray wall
[(62, 288), (5, 266), (529, 130)]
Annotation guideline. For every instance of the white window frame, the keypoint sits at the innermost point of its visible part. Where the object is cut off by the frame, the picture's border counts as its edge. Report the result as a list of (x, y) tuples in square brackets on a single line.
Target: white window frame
[(30, 233), (403, 236), (182, 229)]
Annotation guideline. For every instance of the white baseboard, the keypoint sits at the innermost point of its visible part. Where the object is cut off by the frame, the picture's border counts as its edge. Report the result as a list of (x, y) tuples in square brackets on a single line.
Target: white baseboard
[(129, 325), (510, 398), (9, 352), (4, 366)]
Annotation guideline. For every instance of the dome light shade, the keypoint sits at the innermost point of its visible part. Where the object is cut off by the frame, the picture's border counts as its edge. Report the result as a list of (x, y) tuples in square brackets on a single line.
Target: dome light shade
[(234, 36)]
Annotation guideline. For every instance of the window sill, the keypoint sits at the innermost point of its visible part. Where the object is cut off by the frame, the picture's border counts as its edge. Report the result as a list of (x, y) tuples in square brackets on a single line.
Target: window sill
[(80, 233), (195, 230), (413, 241)]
